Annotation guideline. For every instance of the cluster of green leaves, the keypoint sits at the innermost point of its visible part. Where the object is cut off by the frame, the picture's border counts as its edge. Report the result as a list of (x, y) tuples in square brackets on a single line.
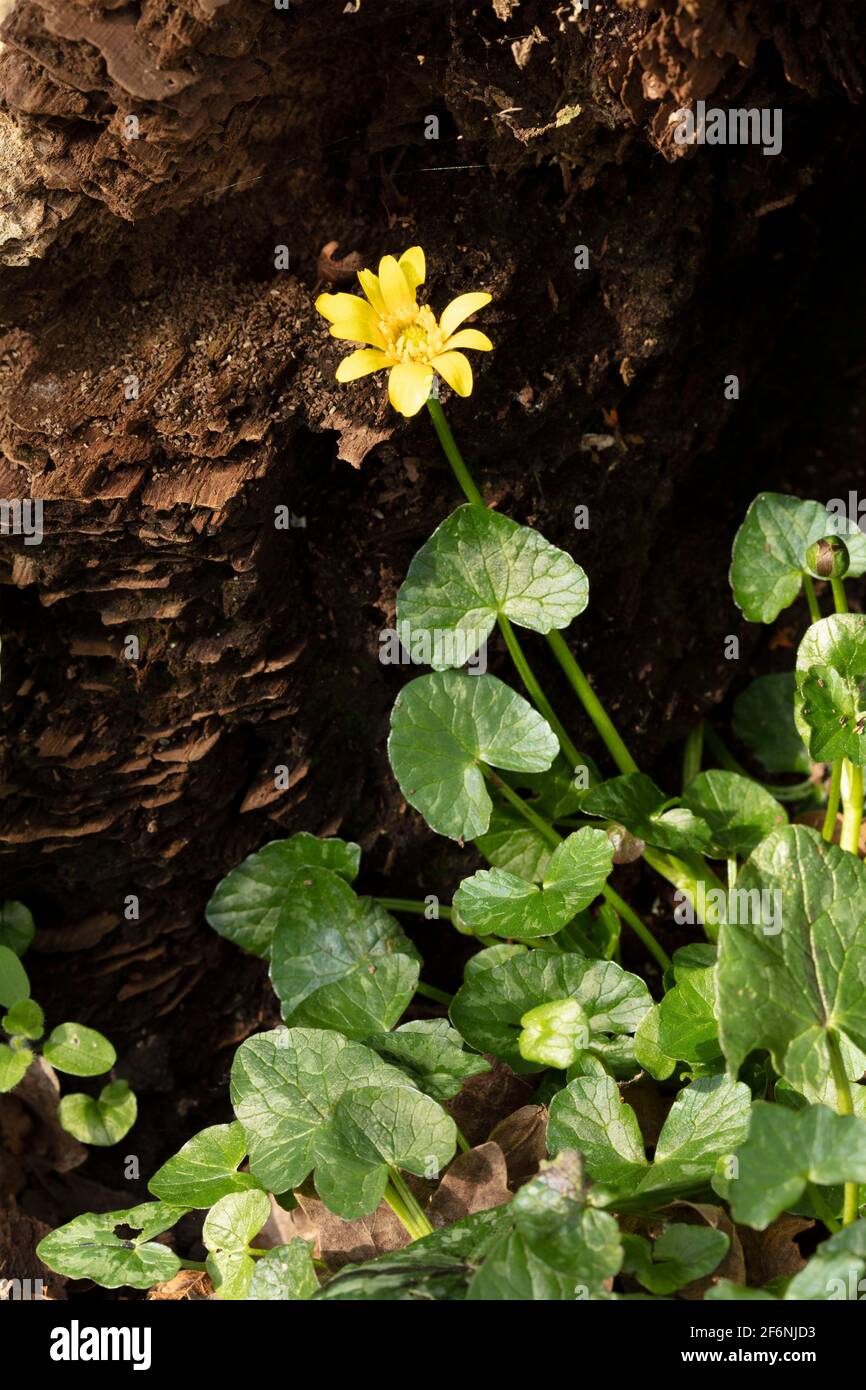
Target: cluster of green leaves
[(69, 1048), (752, 1040)]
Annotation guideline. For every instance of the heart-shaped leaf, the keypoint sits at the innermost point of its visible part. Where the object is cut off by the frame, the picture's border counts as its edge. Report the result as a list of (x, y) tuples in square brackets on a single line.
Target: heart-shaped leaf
[(247, 904), (78, 1050), (514, 845), (24, 1020), (340, 961), (769, 555), (786, 987), (830, 704), (786, 1150), (476, 566), (205, 1169), (709, 1118), (284, 1274), (680, 1255), (495, 902), (489, 1007), (764, 722), (311, 1100), (103, 1121), (444, 729), (17, 928), (636, 802), (432, 1055), (228, 1229), (738, 811), (115, 1247)]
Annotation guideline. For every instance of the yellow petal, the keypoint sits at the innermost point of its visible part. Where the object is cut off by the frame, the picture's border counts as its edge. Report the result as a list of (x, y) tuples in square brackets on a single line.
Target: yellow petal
[(409, 386), (460, 308), (469, 338), (361, 363), (414, 266), (399, 299), (336, 306), (455, 368), (357, 321), (370, 286)]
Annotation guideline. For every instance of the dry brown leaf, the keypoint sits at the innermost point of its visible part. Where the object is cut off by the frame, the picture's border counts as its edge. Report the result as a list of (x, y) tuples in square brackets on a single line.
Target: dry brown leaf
[(522, 1137), (189, 1285), (488, 1098), (341, 1242), (774, 1252), (475, 1181)]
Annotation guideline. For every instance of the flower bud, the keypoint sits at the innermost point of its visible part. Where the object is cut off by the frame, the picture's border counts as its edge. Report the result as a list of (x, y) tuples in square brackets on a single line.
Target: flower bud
[(554, 1034), (828, 558)]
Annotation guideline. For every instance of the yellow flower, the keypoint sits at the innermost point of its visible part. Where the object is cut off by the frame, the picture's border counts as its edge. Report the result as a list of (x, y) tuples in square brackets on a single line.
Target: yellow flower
[(404, 335)]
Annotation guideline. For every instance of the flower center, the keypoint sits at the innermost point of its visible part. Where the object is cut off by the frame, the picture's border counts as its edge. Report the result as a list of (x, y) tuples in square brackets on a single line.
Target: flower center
[(412, 337)]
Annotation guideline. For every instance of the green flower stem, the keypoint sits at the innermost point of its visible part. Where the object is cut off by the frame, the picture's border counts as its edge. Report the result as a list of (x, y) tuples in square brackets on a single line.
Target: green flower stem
[(829, 826), (595, 709), (554, 839), (453, 454), (431, 992), (537, 695), (404, 1206), (412, 905), (462, 1142), (839, 598), (845, 1106), (732, 872), (693, 753), (194, 1264), (811, 598), (852, 806), (686, 873)]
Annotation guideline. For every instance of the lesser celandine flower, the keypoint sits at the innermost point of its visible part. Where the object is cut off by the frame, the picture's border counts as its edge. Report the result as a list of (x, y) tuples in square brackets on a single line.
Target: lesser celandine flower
[(404, 336)]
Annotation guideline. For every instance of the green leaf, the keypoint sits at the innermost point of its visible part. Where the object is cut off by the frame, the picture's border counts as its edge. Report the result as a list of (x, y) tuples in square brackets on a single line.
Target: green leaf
[(489, 1007), (636, 802), (785, 1150), (17, 928), (312, 1100), (491, 956), (648, 1053), (476, 566), (560, 1248), (680, 1255), (340, 961), (14, 984), (708, 1118), (725, 1291), (78, 1050), (248, 903), (114, 1248), (228, 1229), (444, 729), (205, 1169), (786, 987), (555, 1034), (514, 845), (769, 555), (14, 1064), (830, 704), (738, 811), (432, 1055), (284, 1274), (495, 902), (687, 1025), (435, 1268), (101, 1122), (24, 1020), (835, 1272), (764, 722)]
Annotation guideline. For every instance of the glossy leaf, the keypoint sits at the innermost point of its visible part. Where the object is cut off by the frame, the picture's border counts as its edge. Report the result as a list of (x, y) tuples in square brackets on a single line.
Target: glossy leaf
[(78, 1050), (636, 802), (103, 1121), (494, 902), (830, 704), (738, 811), (205, 1169), (17, 928), (115, 1248), (432, 1055), (764, 722)]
